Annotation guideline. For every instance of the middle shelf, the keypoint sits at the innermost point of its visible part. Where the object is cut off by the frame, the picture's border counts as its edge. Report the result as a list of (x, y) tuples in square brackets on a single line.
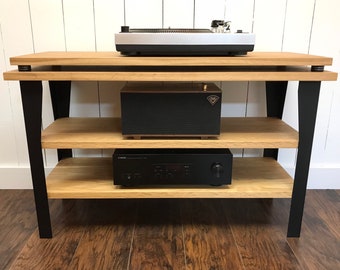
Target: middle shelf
[(105, 133)]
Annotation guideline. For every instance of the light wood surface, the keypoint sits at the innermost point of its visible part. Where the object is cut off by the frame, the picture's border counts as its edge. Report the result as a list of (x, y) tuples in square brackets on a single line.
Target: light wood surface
[(92, 178), (255, 66), (236, 132), (301, 74), (115, 59)]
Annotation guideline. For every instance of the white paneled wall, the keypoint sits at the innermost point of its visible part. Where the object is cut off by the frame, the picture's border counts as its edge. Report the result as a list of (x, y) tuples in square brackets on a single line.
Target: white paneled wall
[(306, 26)]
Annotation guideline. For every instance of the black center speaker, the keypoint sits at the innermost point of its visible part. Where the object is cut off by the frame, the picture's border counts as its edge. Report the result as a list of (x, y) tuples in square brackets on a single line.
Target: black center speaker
[(171, 109)]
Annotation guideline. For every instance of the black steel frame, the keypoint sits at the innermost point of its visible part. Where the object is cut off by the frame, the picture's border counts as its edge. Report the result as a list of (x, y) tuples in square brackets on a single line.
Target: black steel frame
[(308, 98), (31, 92), (60, 96), (31, 95)]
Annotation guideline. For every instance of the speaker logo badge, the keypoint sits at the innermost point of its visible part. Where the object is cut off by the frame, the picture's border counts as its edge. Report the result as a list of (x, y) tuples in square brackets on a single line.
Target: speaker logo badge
[(212, 99)]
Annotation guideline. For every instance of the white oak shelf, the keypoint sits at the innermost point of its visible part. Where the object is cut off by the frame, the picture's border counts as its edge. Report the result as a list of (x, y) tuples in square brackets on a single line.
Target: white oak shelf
[(116, 59), (290, 74), (105, 133), (92, 178), (260, 66)]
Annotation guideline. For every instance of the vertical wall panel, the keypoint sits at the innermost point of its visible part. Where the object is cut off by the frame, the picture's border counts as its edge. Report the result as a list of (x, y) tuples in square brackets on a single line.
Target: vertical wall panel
[(333, 135), (206, 11), (79, 25), (240, 13), (8, 153), (85, 103), (256, 103), (268, 24), (325, 40), (234, 98), (144, 13), (110, 98), (48, 35), (80, 36), (5, 105), (298, 26), (8, 150), (179, 13), (16, 29), (110, 102), (256, 106), (47, 25), (109, 17), (17, 40), (79, 33)]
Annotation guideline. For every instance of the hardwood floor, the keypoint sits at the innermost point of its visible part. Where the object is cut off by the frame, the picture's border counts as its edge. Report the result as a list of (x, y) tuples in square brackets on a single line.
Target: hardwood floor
[(170, 234)]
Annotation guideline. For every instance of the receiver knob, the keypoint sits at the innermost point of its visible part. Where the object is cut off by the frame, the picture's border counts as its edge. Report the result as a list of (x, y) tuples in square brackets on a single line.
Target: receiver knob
[(217, 170)]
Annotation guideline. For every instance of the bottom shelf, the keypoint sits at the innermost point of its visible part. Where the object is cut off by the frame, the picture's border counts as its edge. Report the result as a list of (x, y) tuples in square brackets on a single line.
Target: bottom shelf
[(92, 178)]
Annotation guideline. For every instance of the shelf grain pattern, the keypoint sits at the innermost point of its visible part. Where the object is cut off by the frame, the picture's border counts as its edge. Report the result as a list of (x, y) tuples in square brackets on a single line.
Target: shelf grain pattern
[(92, 178), (105, 133), (183, 76), (116, 59), (88, 66)]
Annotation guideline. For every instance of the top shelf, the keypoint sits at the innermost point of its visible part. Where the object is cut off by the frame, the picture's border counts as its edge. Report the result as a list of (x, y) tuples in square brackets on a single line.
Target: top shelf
[(112, 66), (116, 59)]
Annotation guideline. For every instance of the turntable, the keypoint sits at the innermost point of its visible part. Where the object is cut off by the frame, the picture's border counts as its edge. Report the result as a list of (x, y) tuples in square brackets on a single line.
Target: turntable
[(183, 41)]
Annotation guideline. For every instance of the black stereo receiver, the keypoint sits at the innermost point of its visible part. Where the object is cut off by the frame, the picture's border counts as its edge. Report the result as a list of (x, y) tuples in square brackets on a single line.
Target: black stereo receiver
[(133, 167), (170, 109)]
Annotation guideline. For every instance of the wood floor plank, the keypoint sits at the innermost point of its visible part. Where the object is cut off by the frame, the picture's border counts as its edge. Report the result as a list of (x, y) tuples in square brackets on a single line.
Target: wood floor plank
[(170, 234), (17, 223), (158, 238), (208, 240), (327, 206), (261, 242), (56, 253), (319, 244), (107, 237)]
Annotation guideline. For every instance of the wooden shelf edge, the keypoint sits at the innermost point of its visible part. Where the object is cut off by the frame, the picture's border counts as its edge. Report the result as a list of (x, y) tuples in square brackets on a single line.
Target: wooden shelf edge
[(105, 133), (115, 58), (16, 75), (92, 178)]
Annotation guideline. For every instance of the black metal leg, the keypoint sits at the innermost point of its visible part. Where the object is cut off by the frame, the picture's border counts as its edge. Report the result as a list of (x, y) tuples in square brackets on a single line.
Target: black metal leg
[(308, 98), (31, 93), (276, 95), (60, 95)]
